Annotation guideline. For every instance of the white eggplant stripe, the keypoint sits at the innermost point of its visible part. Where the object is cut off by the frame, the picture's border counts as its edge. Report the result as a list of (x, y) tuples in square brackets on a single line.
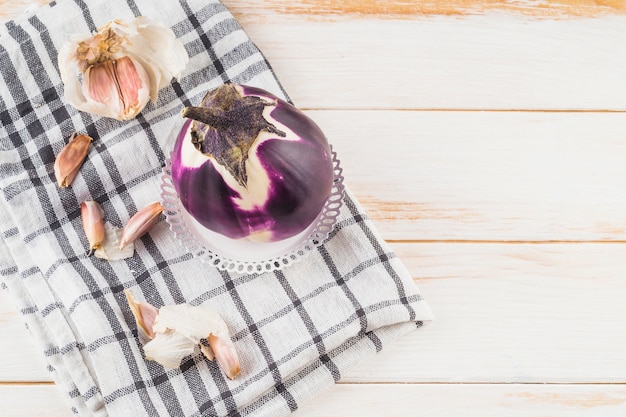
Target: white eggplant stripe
[(246, 256)]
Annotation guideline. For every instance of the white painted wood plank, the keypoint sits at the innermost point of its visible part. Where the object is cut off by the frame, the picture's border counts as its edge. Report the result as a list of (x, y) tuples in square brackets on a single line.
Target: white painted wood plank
[(468, 401), (33, 401), (512, 313), (505, 176), (489, 60), (492, 61), (20, 359), (504, 313), (408, 9), (436, 400)]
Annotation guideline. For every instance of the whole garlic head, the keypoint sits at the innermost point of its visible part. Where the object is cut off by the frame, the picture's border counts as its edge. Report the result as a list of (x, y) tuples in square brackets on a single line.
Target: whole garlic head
[(116, 71)]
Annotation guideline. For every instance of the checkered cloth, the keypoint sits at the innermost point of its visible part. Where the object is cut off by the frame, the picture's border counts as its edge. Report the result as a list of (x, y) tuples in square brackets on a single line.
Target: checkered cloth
[(297, 331)]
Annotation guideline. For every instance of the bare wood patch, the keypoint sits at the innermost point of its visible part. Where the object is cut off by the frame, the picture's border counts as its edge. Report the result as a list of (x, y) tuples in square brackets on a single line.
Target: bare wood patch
[(412, 9)]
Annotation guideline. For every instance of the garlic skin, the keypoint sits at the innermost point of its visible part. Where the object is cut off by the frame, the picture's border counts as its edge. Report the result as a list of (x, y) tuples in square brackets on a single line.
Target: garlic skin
[(122, 66), (110, 248), (174, 331), (169, 348)]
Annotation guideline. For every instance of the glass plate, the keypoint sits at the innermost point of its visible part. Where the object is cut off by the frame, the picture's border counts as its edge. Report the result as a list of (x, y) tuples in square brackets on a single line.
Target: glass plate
[(243, 256)]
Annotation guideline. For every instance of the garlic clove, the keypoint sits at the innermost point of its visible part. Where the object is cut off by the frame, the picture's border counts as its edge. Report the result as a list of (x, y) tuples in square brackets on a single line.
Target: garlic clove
[(226, 355), (99, 83), (122, 66), (133, 84), (93, 223), (163, 56), (70, 159), (145, 315), (116, 88), (141, 223)]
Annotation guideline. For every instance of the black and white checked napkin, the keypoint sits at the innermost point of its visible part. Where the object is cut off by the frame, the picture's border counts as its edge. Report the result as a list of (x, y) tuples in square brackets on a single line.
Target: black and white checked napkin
[(297, 331)]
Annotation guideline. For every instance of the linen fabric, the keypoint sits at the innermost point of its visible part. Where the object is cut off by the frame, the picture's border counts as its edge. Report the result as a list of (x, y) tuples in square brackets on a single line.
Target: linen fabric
[(297, 331)]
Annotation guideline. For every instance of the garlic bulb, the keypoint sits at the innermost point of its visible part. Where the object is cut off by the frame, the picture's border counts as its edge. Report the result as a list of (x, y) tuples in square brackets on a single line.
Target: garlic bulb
[(117, 70)]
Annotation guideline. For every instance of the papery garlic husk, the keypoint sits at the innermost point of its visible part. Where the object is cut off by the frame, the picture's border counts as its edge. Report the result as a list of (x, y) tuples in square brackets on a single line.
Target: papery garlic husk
[(169, 348), (70, 159), (177, 330), (92, 217), (110, 249), (117, 70), (140, 223), (197, 323)]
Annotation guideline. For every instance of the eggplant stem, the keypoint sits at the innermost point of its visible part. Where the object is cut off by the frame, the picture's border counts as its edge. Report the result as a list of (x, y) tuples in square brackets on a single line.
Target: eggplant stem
[(207, 116)]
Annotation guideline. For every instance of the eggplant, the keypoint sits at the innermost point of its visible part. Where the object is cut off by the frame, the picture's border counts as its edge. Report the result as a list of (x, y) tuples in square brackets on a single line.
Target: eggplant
[(249, 165)]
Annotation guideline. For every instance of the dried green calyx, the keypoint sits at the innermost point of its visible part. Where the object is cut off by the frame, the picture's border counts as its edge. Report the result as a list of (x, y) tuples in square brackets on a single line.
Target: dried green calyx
[(226, 125)]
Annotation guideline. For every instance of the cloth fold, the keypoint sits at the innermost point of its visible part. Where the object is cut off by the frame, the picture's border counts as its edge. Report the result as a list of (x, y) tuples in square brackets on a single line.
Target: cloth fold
[(297, 330)]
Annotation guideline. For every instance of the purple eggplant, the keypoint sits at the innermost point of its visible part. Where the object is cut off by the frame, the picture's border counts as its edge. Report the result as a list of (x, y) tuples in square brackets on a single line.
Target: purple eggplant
[(249, 165)]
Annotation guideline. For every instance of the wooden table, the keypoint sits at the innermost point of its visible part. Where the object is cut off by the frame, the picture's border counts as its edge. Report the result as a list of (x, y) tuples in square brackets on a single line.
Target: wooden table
[(488, 144)]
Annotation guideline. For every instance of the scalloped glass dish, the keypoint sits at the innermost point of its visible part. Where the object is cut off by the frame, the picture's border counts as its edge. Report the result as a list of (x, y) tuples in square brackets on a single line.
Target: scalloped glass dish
[(243, 256)]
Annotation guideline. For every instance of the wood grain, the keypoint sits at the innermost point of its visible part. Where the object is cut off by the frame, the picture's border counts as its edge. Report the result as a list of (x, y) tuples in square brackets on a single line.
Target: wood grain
[(358, 400), (473, 400), (507, 176), (16, 342), (33, 401), (405, 9), (480, 62), (473, 62), (540, 313), (398, 9)]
